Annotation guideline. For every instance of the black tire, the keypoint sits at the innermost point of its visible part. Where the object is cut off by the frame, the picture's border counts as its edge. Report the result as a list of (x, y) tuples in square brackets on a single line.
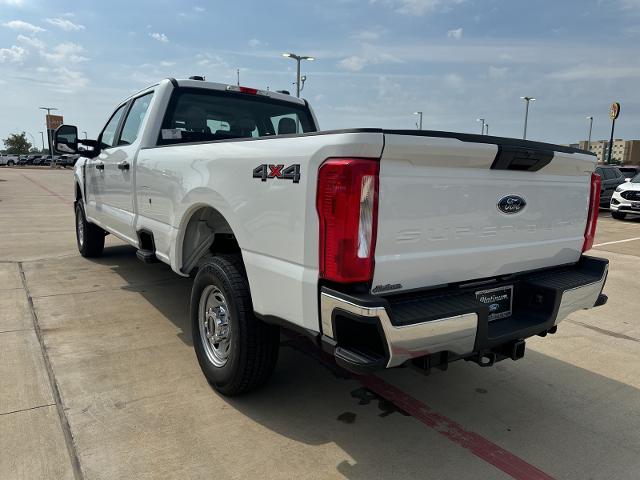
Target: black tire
[(253, 345), (619, 215), (91, 242), (10, 163)]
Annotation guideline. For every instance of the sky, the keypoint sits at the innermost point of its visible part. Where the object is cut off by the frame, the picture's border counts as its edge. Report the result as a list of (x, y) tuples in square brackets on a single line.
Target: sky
[(377, 61)]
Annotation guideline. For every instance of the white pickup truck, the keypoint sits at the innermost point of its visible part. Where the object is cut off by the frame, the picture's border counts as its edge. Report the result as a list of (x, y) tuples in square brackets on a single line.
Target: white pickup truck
[(386, 247)]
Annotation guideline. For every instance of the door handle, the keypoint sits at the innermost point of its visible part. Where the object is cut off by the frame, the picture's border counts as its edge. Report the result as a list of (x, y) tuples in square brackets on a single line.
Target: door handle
[(99, 166), (124, 165)]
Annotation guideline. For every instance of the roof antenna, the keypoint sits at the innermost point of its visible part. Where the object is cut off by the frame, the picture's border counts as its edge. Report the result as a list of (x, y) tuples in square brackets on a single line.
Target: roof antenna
[(238, 72), (197, 77)]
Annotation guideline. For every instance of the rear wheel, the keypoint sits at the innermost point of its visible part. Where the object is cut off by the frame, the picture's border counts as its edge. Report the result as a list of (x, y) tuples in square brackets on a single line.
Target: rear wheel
[(90, 237), (618, 215), (236, 351), (10, 163)]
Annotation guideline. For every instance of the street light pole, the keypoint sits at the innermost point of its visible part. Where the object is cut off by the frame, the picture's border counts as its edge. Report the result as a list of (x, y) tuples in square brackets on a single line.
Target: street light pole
[(85, 135), (48, 109), (590, 118), (526, 114), (486, 125), (420, 121), (42, 137), (298, 59), (483, 124)]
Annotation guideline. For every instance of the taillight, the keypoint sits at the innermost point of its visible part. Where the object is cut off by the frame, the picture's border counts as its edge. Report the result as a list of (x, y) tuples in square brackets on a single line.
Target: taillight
[(592, 218), (347, 204)]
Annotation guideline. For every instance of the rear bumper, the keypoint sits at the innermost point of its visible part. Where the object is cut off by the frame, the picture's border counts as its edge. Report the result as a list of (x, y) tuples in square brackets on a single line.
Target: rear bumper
[(367, 332)]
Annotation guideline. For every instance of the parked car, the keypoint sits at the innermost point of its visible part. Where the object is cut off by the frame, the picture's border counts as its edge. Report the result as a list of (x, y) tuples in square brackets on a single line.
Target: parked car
[(626, 199), (46, 160), (22, 160), (629, 172), (385, 247), (66, 160), (8, 160), (611, 177)]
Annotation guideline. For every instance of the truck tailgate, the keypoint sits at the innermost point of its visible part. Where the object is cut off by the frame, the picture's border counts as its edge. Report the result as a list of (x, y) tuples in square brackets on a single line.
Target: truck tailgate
[(439, 217)]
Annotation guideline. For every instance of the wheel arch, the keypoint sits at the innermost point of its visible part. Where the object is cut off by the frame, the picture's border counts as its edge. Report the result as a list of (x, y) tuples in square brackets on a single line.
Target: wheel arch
[(77, 191), (204, 230)]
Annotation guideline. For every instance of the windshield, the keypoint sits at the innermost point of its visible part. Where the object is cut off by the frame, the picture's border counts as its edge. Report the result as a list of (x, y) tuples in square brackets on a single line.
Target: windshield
[(636, 179), (199, 115)]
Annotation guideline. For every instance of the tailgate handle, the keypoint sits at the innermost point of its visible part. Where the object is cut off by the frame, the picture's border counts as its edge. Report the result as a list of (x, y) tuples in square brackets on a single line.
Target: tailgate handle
[(521, 158)]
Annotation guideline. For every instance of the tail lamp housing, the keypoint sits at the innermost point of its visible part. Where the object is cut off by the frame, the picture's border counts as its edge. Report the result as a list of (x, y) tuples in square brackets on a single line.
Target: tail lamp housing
[(347, 205), (592, 218)]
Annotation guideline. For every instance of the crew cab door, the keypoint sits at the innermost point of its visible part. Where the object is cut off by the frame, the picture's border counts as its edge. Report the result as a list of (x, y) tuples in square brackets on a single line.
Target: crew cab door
[(94, 170), (116, 202)]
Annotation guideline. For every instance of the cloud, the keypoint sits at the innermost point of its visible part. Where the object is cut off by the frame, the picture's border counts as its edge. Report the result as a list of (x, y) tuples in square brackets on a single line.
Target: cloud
[(161, 37), (12, 3), (64, 24), (497, 73), (254, 42), (199, 9), (587, 72), (31, 42), (630, 4), (211, 61), (419, 7), (62, 79), (165, 63), (24, 26), (64, 53), (367, 36), (13, 54), (455, 34), (371, 56), (453, 80), (353, 63)]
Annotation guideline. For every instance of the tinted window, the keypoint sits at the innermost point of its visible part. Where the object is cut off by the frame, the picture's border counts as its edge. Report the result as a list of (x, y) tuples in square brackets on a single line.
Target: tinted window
[(617, 172), (109, 133), (599, 172), (136, 115), (197, 115), (636, 179)]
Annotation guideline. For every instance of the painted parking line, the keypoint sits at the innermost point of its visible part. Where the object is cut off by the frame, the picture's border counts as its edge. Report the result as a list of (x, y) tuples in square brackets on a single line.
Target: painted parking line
[(48, 190), (481, 447), (617, 241)]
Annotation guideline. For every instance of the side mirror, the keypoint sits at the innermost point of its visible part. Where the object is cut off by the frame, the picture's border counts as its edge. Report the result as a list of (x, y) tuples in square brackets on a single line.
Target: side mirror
[(65, 139), (627, 180)]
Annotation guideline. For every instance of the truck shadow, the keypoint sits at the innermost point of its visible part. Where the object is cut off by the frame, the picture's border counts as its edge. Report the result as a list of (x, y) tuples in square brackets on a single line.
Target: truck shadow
[(566, 420)]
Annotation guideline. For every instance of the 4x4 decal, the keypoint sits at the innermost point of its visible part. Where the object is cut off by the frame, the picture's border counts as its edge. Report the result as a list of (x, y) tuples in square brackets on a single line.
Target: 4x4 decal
[(264, 172)]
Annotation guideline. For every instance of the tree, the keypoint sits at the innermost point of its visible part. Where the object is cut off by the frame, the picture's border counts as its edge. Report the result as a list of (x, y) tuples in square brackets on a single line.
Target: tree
[(17, 143)]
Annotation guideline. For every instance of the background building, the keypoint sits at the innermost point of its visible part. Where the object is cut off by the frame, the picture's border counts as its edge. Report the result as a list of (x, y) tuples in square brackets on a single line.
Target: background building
[(626, 152)]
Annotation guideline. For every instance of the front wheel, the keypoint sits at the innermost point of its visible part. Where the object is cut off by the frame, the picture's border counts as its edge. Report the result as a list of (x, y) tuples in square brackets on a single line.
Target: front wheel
[(10, 163), (236, 351), (90, 237), (618, 215)]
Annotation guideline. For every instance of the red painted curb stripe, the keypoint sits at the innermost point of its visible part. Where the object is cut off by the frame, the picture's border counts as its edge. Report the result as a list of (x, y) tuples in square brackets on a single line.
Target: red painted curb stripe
[(49, 191), (488, 451), (476, 444)]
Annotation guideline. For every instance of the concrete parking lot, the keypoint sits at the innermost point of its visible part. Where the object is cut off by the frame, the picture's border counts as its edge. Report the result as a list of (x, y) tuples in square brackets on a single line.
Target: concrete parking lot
[(98, 379)]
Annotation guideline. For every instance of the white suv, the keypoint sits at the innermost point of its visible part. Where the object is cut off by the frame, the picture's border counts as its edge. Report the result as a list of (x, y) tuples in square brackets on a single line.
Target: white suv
[(8, 160), (626, 199)]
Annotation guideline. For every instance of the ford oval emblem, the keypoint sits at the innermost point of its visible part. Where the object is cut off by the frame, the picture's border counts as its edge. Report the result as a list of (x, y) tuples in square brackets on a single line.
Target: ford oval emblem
[(510, 204)]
